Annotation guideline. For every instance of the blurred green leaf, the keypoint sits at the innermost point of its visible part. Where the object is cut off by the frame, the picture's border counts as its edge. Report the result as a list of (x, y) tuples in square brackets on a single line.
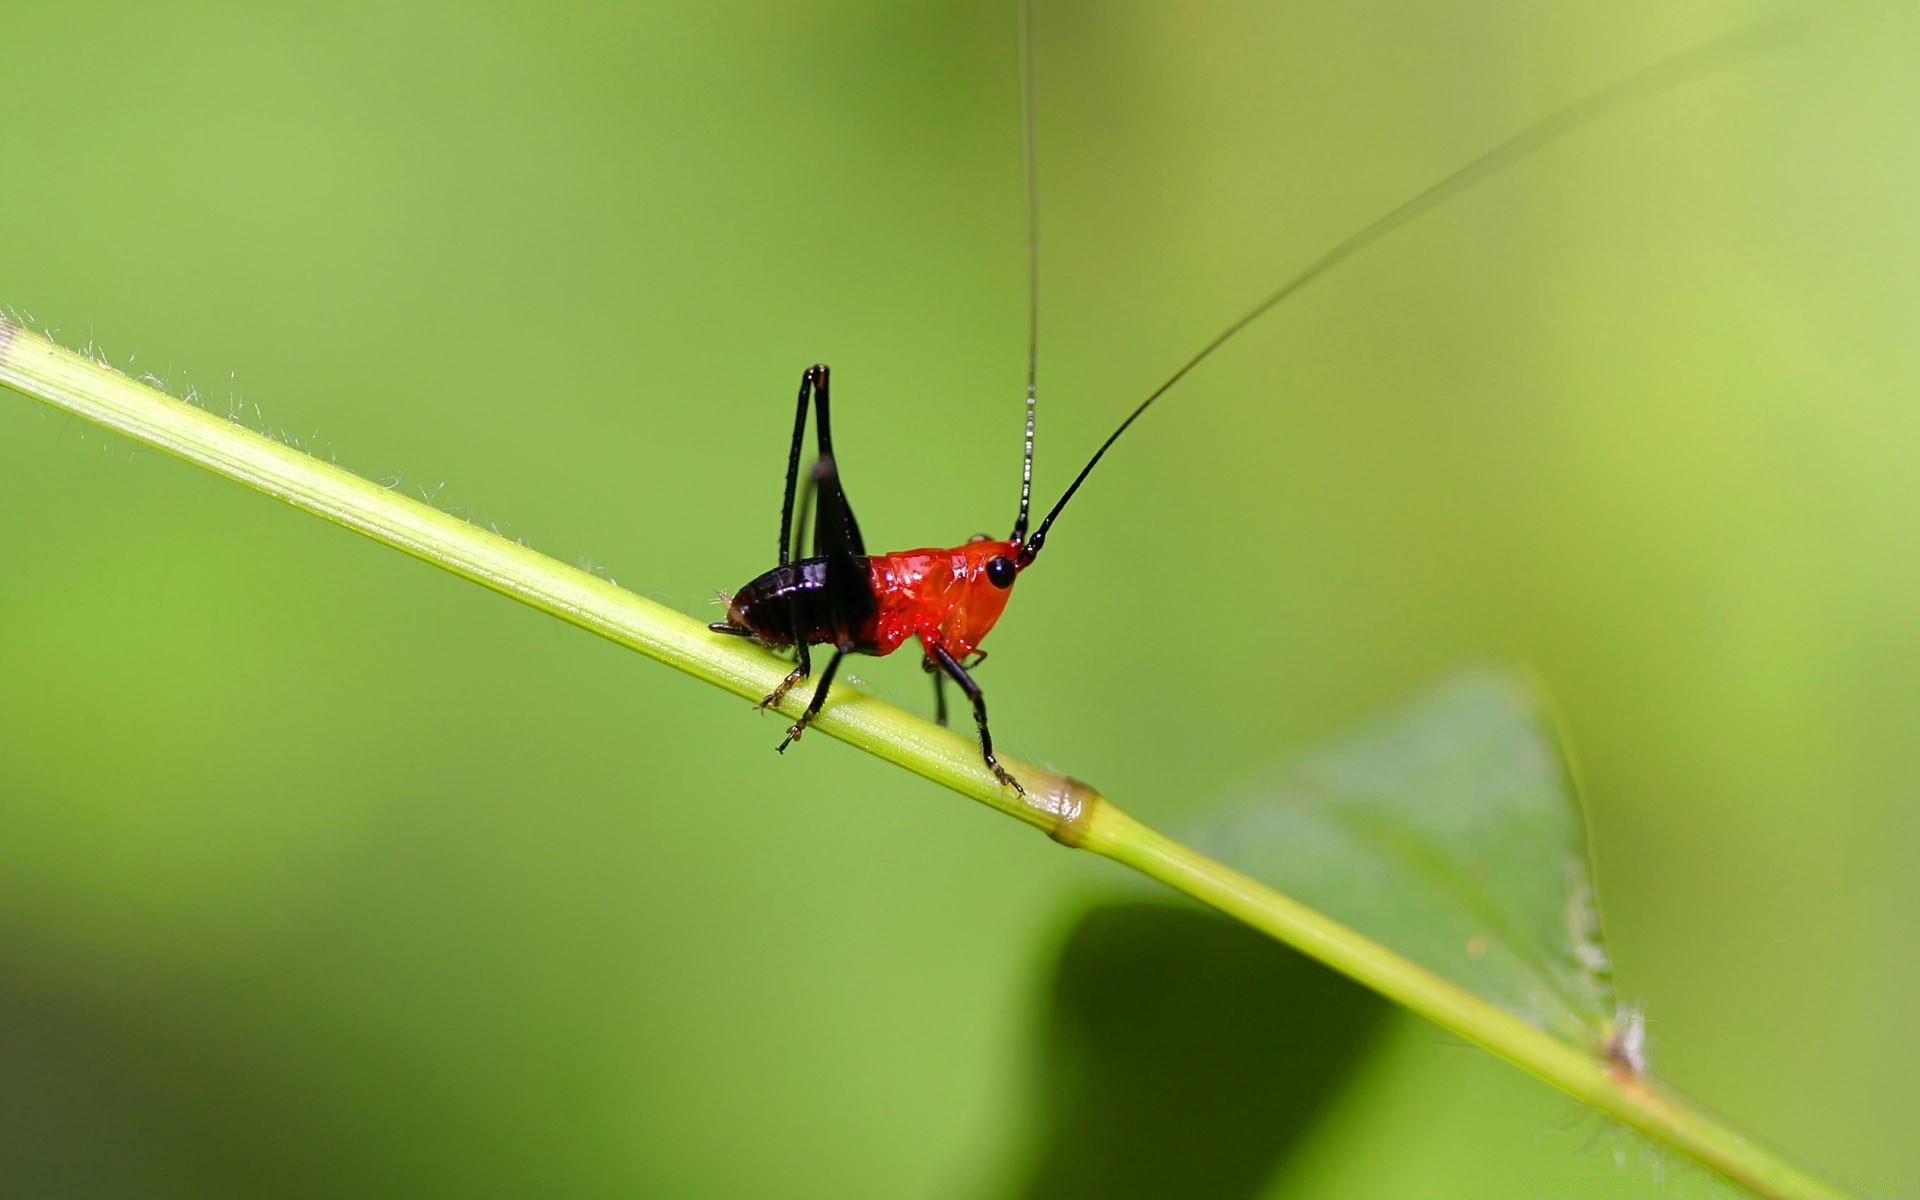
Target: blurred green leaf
[(1195, 1043), (1450, 831)]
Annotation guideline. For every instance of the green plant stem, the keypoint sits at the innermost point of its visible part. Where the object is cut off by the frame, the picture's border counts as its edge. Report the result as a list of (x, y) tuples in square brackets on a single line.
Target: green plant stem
[(1070, 812)]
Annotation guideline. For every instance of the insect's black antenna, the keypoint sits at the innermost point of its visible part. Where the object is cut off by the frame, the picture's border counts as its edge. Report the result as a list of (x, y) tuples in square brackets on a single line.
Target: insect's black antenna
[(1027, 143), (1681, 68)]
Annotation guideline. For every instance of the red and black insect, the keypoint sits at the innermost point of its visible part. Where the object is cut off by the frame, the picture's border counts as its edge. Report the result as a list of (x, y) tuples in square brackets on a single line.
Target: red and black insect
[(948, 600)]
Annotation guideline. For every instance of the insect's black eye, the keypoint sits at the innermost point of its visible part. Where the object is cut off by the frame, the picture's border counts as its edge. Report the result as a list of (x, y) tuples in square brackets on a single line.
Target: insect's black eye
[(1000, 572)]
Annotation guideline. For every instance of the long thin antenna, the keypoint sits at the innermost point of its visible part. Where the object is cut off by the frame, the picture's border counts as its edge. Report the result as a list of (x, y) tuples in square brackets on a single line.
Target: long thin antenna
[(1028, 143), (1670, 72)]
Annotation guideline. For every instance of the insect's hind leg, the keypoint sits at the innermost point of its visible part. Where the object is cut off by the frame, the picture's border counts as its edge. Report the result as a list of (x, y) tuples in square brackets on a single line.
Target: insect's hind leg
[(952, 667), (800, 671), (814, 705), (812, 380), (822, 469)]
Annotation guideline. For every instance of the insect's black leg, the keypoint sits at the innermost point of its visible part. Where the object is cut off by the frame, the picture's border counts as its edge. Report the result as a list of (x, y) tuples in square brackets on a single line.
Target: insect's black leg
[(807, 385), (972, 689), (838, 532), (849, 594), (823, 472), (813, 706), (939, 691), (825, 423), (822, 469), (846, 585)]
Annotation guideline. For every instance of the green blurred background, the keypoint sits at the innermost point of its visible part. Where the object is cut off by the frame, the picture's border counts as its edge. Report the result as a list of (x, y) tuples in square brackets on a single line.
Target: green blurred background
[(322, 872)]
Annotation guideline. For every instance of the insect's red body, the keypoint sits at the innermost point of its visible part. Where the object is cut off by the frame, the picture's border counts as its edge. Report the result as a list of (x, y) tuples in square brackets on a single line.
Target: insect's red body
[(942, 597)]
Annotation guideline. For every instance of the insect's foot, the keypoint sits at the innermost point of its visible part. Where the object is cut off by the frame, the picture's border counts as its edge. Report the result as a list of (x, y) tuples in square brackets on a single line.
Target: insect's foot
[(778, 694), (1001, 773), (793, 735)]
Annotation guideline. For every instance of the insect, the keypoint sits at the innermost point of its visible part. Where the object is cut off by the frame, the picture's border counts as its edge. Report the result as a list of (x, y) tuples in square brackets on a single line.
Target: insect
[(948, 599)]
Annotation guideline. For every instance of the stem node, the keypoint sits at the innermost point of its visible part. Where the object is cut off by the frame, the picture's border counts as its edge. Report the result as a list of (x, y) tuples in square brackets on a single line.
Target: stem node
[(1072, 807)]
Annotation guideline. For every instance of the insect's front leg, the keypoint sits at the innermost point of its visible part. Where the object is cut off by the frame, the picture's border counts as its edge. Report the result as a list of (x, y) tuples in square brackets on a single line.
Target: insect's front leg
[(952, 667)]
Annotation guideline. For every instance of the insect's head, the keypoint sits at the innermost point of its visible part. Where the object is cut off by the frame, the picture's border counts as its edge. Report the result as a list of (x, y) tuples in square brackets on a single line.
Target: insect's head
[(997, 563), (983, 570)]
